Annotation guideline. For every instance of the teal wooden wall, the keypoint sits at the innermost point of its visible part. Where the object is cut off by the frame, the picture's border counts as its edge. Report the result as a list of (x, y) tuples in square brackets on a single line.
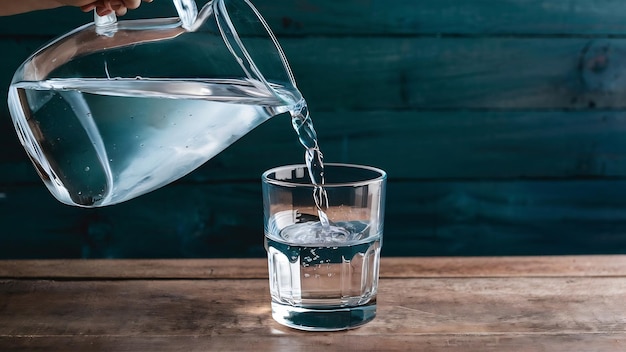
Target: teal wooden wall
[(502, 124)]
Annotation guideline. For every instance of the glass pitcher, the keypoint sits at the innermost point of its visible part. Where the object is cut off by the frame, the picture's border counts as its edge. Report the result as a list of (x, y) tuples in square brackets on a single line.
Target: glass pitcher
[(115, 109)]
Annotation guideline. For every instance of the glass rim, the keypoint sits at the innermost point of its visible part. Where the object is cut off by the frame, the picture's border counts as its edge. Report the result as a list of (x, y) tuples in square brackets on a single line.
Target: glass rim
[(380, 177)]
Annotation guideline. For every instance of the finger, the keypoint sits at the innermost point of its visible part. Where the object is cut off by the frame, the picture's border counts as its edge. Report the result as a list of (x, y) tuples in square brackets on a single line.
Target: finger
[(132, 4), (87, 8), (116, 4), (104, 7), (121, 11), (103, 11), (119, 7)]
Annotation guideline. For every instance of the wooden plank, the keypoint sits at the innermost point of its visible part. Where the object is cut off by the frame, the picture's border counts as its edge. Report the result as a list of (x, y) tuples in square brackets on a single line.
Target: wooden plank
[(474, 218), (391, 267), (579, 308), (452, 73), (399, 17), (423, 218), (448, 73), (128, 269), (432, 145), (294, 341), (445, 144), (447, 17), (489, 306), (174, 225)]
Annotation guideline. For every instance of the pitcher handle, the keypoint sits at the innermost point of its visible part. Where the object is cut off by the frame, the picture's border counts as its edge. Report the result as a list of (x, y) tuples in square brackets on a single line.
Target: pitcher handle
[(187, 12)]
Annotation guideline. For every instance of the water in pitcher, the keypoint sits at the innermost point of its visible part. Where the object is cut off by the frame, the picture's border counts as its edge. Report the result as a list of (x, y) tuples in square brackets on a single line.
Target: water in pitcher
[(113, 110), (108, 137)]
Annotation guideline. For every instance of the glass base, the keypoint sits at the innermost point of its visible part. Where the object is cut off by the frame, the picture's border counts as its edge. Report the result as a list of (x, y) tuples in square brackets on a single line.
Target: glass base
[(319, 319)]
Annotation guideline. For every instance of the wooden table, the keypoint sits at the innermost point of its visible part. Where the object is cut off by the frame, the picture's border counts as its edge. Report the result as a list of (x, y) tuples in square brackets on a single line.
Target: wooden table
[(572, 303)]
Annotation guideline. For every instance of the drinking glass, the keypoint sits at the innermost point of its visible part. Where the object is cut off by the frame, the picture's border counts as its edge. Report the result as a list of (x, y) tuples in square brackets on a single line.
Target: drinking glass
[(323, 244)]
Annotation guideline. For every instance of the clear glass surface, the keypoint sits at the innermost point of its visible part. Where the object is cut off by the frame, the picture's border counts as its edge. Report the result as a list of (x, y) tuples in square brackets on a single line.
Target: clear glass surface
[(115, 109), (324, 276)]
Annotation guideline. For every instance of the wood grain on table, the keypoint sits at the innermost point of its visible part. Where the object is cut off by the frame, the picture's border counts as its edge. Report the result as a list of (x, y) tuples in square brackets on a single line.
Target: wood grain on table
[(570, 303)]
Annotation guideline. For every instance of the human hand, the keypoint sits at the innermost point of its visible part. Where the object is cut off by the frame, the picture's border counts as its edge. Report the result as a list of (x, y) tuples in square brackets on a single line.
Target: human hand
[(102, 7), (105, 7)]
